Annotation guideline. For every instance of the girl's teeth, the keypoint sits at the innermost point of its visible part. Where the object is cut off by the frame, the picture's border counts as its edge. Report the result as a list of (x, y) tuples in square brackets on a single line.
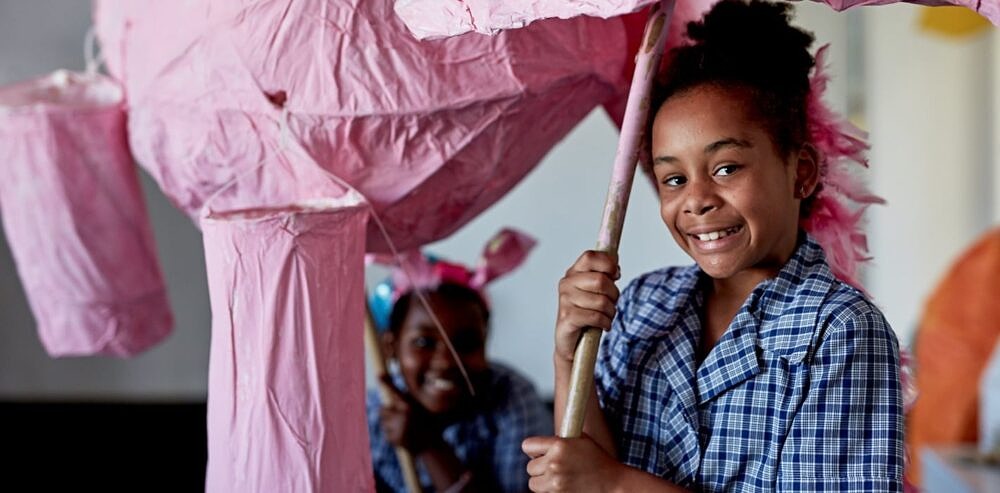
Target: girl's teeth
[(442, 384), (715, 235)]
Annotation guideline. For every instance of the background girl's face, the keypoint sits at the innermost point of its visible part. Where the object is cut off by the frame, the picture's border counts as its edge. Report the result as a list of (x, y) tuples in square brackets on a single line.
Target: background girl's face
[(431, 374), (728, 196)]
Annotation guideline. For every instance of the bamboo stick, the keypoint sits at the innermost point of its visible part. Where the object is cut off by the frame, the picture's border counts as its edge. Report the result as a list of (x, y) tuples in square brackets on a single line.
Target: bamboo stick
[(647, 61)]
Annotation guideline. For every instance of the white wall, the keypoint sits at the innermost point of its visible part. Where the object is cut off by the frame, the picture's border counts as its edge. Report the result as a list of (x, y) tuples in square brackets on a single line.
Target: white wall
[(932, 126), (928, 159)]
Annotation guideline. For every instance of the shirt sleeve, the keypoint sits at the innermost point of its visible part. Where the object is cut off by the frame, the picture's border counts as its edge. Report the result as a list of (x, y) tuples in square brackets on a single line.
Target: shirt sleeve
[(523, 415), (848, 433)]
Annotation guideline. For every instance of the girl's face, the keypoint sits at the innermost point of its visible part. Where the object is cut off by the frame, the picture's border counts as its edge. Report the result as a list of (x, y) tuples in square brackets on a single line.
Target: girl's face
[(729, 197), (431, 374)]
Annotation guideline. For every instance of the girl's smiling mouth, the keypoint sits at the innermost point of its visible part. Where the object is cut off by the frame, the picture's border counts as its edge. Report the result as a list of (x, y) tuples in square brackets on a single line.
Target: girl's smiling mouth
[(715, 238)]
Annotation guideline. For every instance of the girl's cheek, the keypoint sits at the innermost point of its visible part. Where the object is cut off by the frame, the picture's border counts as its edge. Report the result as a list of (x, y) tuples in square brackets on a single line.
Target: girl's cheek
[(411, 367)]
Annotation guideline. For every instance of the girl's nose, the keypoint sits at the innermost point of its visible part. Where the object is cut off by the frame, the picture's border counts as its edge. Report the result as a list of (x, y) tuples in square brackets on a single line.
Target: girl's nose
[(442, 357), (700, 198)]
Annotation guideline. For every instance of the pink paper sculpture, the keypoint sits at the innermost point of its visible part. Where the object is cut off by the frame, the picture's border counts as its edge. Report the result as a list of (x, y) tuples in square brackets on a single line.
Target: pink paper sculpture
[(429, 19), (248, 114), (75, 217), (286, 373), (286, 379), (431, 133)]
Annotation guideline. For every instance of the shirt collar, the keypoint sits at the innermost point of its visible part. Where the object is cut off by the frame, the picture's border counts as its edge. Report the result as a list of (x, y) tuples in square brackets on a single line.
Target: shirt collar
[(779, 316), (787, 306)]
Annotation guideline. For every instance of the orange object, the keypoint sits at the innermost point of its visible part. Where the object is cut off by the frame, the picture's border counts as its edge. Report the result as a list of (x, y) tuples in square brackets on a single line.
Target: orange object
[(959, 329)]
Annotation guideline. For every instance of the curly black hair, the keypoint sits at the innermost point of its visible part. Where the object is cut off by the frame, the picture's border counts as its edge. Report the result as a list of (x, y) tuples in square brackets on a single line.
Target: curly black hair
[(448, 291), (751, 45)]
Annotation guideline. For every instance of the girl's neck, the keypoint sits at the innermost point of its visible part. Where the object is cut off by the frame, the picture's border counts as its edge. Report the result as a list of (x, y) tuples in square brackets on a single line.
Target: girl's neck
[(724, 297), (739, 286)]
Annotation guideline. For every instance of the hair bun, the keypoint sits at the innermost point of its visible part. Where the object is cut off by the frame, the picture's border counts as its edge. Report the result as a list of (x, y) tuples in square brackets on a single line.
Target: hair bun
[(755, 40)]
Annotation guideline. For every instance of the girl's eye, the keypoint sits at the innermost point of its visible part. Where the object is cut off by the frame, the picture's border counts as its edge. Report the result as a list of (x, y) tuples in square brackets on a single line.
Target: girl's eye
[(726, 170), (674, 181), (423, 342)]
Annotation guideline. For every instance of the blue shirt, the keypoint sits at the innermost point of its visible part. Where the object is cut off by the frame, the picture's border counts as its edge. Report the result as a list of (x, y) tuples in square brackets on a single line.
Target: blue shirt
[(801, 393), (487, 440)]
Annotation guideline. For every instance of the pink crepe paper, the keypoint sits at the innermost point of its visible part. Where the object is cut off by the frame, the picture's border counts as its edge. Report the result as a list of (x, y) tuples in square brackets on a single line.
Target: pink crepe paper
[(431, 133), (75, 218), (286, 375), (429, 19), (258, 107), (506, 251)]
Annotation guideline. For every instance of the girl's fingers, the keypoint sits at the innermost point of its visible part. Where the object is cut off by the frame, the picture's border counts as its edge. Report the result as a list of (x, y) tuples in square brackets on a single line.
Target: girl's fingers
[(579, 319), (589, 282), (583, 301), (537, 446), (595, 261)]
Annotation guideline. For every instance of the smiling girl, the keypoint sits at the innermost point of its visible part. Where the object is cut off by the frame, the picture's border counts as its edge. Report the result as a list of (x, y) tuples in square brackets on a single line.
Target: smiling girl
[(461, 442), (760, 368)]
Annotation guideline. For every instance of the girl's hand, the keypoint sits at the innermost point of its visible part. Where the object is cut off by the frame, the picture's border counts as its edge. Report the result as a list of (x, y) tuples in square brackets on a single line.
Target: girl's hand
[(571, 464), (405, 423), (587, 297)]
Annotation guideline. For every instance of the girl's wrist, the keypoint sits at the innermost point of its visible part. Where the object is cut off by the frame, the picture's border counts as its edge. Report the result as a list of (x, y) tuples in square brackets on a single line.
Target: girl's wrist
[(561, 362)]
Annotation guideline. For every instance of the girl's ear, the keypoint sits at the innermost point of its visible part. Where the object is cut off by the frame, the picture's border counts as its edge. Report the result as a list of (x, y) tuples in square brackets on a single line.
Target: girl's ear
[(388, 341), (806, 171)]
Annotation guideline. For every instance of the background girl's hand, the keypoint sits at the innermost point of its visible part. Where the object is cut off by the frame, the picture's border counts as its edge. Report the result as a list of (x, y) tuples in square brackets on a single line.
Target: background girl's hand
[(405, 423), (570, 464), (587, 297)]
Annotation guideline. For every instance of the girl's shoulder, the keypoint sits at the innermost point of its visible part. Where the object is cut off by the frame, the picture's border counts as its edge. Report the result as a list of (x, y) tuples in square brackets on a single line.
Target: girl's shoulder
[(850, 312), (841, 315)]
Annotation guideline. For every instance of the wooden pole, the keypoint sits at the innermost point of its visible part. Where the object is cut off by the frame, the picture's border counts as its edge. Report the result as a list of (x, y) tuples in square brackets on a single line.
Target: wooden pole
[(647, 61), (406, 464)]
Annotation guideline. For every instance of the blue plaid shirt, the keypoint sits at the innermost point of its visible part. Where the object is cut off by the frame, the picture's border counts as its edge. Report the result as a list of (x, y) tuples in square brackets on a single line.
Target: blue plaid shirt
[(801, 393), (488, 440)]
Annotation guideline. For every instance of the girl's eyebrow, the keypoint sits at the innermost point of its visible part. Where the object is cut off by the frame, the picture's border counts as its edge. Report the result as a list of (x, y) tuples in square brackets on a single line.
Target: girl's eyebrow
[(426, 329), (728, 142), (664, 160), (709, 149)]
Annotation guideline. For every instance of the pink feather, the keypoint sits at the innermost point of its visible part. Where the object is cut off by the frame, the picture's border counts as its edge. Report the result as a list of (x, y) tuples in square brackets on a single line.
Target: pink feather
[(835, 220)]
